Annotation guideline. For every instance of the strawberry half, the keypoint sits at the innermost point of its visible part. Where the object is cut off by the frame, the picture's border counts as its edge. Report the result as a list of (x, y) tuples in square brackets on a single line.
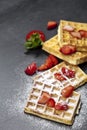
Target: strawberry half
[(76, 35), (31, 69), (54, 59), (67, 91), (59, 77), (83, 33), (42, 67), (68, 72), (68, 28), (51, 102), (44, 98), (68, 49), (49, 63), (51, 25), (61, 106)]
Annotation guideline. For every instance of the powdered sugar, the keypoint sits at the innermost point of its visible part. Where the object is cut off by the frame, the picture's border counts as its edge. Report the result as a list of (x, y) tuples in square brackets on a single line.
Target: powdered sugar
[(15, 106)]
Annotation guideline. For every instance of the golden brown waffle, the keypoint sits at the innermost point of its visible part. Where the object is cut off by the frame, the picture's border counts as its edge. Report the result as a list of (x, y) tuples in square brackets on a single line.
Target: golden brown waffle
[(52, 46), (48, 76), (33, 107), (64, 37)]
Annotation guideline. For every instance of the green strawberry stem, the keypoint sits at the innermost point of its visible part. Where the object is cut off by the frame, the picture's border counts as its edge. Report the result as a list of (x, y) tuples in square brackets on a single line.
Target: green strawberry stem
[(33, 42)]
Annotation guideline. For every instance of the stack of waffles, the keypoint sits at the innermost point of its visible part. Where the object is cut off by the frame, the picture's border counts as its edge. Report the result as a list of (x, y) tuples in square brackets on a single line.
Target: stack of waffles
[(45, 83), (65, 37)]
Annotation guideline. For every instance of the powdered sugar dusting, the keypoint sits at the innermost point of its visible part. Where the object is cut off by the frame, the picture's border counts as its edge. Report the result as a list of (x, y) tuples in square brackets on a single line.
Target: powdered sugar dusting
[(81, 118), (15, 106)]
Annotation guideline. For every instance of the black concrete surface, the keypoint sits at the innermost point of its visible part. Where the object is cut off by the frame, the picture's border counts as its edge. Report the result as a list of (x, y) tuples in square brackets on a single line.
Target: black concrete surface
[(17, 18)]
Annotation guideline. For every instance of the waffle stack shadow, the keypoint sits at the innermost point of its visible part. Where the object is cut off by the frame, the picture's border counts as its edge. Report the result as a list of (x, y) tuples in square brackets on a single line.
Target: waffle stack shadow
[(45, 82)]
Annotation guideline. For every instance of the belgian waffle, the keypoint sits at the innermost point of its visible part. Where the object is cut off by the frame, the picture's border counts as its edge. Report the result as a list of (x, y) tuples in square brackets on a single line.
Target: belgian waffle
[(46, 82), (48, 76), (52, 46), (64, 37), (33, 107)]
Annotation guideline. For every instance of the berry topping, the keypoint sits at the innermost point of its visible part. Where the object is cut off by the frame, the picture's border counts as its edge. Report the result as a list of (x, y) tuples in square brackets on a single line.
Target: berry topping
[(83, 33), (44, 98), (51, 102), (76, 34), (68, 28), (68, 72), (59, 77), (67, 91), (68, 49), (61, 106)]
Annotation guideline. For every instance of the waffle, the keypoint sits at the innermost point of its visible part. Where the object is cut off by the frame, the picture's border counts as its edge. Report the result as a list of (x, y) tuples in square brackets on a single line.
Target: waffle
[(48, 76), (64, 37), (33, 107), (52, 46)]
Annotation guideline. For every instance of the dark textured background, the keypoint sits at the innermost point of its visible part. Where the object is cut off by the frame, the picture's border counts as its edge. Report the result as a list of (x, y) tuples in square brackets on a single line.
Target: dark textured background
[(17, 18)]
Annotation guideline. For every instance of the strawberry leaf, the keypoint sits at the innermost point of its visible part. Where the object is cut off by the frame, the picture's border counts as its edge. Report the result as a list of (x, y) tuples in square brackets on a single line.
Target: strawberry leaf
[(33, 42)]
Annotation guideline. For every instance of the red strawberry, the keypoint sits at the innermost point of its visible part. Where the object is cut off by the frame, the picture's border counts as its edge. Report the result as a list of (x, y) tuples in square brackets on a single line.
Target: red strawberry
[(49, 62), (44, 98), (68, 72), (68, 28), (51, 102), (47, 65), (42, 67), (40, 33), (76, 34), (59, 77), (68, 49), (67, 91), (61, 106), (83, 33), (53, 59), (31, 69), (51, 25)]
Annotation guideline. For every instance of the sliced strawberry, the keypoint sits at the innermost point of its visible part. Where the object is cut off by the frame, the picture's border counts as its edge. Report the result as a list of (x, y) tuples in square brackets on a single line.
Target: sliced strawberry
[(67, 91), (51, 102), (51, 25), (61, 106), (42, 67), (68, 72), (44, 98), (54, 60), (68, 28), (83, 33), (59, 77), (31, 69), (68, 49), (76, 35), (49, 62)]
